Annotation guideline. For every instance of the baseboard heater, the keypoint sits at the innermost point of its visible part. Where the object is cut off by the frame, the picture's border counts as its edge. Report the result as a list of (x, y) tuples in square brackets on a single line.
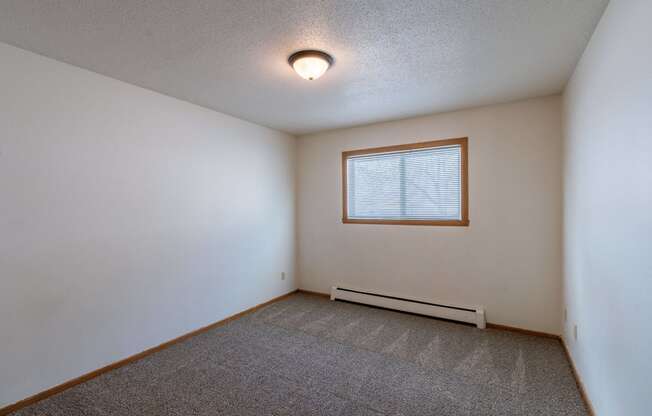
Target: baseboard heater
[(473, 315)]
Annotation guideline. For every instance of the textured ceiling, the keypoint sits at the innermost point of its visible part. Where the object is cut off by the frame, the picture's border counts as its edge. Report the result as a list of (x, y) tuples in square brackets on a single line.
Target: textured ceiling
[(394, 58)]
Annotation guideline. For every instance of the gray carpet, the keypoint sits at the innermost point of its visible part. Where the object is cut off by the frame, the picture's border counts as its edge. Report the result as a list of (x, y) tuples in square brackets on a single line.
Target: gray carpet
[(309, 356)]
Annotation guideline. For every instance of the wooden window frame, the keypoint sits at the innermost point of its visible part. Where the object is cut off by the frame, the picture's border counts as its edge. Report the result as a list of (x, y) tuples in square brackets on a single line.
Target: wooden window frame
[(462, 142)]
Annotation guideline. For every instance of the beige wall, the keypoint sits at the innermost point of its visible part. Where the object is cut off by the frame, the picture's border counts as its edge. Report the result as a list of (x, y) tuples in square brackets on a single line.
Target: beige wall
[(508, 259), (608, 211), (127, 218)]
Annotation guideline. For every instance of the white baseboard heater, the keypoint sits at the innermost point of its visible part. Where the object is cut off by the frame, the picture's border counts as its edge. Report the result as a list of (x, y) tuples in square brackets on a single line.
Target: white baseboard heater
[(469, 314)]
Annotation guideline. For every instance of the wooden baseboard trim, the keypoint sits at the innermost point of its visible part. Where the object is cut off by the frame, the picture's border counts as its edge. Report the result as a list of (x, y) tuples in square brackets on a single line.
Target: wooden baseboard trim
[(576, 375), (81, 379), (522, 331), (310, 292), (88, 376), (578, 380), (489, 325)]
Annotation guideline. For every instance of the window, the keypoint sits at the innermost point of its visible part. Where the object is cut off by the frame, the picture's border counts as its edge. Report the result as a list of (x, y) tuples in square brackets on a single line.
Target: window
[(413, 184)]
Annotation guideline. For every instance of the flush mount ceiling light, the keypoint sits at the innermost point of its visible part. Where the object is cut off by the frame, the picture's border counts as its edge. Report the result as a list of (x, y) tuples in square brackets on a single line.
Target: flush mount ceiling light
[(310, 64)]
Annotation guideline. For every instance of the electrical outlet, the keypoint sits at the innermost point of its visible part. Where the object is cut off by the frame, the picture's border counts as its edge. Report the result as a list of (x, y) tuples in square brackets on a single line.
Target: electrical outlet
[(282, 275), (575, 332)]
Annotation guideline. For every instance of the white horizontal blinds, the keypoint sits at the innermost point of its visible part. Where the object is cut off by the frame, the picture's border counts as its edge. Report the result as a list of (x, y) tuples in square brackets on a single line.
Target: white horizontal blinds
[(421, 184)]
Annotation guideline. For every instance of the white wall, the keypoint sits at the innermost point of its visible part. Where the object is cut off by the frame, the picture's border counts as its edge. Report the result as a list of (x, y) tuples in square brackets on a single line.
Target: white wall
[(127, 218), (508, 259), (608, 211)]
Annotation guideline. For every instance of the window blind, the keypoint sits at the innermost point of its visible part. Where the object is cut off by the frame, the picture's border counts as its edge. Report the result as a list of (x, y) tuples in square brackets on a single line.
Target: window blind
[(421, 184)]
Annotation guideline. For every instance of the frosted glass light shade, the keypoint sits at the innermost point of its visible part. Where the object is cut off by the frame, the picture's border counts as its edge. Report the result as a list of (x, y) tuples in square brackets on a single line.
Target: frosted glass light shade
[(310, 65)]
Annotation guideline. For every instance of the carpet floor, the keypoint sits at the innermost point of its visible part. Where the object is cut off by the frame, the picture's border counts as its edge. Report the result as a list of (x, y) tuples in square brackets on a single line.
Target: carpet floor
[(306, 355)]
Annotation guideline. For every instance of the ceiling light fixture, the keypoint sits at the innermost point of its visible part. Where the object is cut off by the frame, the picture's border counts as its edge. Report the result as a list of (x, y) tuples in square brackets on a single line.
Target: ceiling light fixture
[(310, 64)]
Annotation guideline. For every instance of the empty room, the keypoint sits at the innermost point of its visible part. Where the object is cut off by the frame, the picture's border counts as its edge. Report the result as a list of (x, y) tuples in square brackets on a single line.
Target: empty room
[(326, 207)]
